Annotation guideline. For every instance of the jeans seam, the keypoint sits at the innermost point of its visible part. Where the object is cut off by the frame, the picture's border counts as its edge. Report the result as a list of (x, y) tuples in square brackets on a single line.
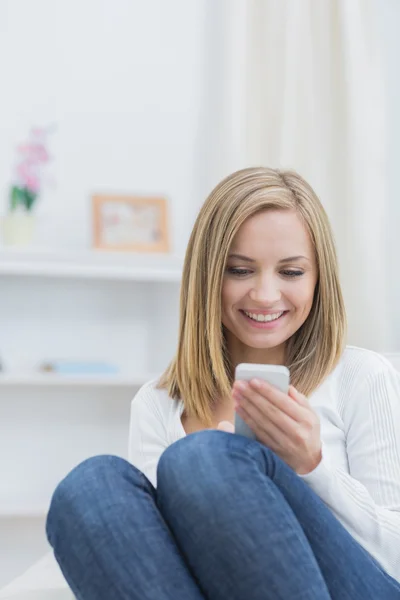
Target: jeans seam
[(255, 450)]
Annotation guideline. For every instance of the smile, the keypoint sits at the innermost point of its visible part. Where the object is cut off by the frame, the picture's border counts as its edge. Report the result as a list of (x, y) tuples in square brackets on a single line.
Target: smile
[(264, 321), (264, 318)]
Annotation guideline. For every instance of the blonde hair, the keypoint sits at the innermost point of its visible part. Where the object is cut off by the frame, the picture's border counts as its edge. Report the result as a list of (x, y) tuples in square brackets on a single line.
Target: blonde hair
[(201, 372)]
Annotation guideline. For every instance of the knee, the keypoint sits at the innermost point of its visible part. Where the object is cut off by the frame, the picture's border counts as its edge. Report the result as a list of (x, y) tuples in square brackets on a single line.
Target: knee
[(205, 456), (191, 454), (210, 457), (83, 493), (189, 475)]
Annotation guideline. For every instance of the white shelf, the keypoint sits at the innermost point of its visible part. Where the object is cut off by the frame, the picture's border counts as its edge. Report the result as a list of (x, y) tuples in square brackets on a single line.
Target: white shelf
[(51, 379), (25, 511), (91, 264)]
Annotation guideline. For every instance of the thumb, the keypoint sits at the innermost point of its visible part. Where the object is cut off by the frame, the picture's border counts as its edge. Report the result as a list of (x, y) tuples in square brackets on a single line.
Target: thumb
[(226, 426)]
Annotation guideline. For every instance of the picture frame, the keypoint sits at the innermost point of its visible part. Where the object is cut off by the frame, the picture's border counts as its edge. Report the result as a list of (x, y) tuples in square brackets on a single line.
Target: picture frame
[(130, 223)]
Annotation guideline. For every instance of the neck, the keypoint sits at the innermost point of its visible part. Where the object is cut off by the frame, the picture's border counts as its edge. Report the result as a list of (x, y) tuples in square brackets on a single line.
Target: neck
[(239, 353)]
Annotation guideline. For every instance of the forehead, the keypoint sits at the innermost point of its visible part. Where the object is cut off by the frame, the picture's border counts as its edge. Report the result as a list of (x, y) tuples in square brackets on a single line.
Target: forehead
[(274, 232)]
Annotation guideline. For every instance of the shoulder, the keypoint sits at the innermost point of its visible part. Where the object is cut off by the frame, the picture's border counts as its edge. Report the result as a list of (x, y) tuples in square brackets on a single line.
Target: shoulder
[(153, 407), (357, 369), (356, 363), (154, 425), (365, 374), (149, 396)]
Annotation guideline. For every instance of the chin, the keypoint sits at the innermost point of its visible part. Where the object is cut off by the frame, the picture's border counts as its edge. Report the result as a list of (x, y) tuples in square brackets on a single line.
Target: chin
[(259, 343), (266, 345)]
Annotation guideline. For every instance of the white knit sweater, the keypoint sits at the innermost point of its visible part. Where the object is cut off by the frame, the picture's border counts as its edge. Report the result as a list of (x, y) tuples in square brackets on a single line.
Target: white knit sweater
[(359, 476)]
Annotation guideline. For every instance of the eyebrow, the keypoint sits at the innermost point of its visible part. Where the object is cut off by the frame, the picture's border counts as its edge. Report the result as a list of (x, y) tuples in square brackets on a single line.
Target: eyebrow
[(284, 260)]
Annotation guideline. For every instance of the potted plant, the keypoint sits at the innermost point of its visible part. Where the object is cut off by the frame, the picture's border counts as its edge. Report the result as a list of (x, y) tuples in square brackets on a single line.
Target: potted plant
[(32, 156)]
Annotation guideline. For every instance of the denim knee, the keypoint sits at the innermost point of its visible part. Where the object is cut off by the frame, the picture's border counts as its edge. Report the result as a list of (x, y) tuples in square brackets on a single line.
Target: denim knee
[(84, 487), (210, 453), (201, 454), (186, 451)]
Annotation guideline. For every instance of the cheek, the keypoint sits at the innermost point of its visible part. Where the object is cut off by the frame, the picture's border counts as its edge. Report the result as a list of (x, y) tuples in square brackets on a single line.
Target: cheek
[(301, 296), (228, 293), (232, 292)]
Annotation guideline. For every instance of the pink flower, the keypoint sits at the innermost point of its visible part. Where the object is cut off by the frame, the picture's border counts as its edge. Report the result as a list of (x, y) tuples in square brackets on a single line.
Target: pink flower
[(28, 177), (32, 156), (38, 132), (33, 184), (34, 152)]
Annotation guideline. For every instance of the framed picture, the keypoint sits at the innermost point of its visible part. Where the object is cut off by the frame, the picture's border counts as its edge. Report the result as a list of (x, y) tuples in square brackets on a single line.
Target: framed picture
[(130, 223)]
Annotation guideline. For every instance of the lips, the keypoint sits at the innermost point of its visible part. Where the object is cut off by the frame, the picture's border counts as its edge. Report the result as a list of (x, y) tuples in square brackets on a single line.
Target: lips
[(263, 317), (264, 320)]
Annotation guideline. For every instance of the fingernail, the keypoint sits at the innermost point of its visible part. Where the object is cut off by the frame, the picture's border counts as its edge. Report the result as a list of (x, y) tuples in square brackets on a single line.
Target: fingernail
[(256, 383), (240, 385), (236, 395)]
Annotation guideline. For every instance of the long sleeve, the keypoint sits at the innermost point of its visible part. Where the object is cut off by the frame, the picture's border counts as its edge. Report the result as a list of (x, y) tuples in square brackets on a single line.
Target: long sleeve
[(148, 437), (367, 499)]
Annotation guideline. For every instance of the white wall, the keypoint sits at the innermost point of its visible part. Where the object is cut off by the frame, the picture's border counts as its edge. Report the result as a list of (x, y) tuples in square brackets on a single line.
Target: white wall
[(122, 80), (389, 15), (134, 89)]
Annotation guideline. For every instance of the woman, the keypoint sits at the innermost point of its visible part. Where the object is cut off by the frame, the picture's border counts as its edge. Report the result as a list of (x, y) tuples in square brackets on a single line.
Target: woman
[(311, 509)]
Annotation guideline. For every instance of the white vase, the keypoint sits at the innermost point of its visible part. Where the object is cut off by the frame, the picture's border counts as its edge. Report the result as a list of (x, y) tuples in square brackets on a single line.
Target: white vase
[(18, 228)]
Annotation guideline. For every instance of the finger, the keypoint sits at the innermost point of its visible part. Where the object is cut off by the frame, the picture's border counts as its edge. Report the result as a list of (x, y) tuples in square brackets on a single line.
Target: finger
[(247, 395), (265, 437), (240, 386), (300, 398), (259, 391), (268, 417)]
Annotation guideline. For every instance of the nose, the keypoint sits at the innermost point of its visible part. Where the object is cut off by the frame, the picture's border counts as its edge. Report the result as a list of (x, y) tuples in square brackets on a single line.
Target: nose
[(266, 291)]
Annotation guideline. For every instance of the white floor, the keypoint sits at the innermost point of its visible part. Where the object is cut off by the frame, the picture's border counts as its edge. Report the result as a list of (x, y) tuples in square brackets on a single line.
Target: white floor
[(26, 544), (43, 581)]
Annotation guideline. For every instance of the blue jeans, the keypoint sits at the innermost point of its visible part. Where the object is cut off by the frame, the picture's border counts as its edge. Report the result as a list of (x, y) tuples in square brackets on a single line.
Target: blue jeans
[(229, 521)]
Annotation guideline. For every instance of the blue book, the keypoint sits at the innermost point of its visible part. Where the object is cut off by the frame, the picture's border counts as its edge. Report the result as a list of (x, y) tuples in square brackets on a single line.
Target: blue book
[(71, 367)]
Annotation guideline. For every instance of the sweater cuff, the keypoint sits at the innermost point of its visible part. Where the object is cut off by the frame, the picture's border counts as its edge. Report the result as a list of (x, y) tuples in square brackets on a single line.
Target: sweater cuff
[(320, 478)]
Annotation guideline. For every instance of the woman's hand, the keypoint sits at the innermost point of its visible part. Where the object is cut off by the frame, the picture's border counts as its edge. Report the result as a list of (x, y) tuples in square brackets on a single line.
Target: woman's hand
[(284, 422)]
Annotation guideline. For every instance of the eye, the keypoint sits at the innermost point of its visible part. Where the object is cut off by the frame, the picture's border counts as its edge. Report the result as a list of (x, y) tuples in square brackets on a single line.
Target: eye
[(291, 273), (238, 271)]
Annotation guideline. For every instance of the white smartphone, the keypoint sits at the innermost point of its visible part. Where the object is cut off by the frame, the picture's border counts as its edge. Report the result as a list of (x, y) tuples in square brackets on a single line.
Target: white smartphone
[(276, 375)]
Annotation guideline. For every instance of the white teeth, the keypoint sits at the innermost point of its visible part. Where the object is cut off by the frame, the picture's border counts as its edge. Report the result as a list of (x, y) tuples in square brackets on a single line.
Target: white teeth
[(264, 318)]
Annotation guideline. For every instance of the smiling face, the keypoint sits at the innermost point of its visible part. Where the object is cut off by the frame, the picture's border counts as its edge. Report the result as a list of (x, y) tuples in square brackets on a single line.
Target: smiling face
[(268, 286)]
